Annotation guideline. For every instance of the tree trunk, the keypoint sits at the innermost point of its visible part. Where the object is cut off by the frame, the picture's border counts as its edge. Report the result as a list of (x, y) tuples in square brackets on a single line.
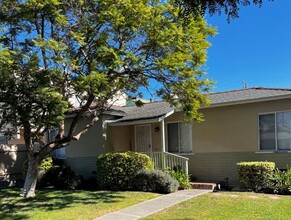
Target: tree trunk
[(31, 178)]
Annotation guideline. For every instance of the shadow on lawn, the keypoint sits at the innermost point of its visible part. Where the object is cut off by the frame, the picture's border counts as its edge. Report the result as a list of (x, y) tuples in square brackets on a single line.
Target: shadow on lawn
[(12, 206)]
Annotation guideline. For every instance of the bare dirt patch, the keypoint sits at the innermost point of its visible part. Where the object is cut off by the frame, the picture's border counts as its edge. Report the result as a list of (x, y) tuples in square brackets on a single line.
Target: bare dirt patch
[(233, 196), (217, 194)]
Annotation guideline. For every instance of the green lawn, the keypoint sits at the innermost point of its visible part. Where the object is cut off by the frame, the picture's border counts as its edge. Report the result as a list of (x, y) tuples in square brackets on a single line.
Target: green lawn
[(230, 205), (66, 204)]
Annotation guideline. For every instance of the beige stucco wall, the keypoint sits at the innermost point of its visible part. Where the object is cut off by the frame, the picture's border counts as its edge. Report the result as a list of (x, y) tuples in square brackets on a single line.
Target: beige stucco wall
[(91, 143), (156, 137), (12, 158), (232, 128), (82, 155), (122, 138)]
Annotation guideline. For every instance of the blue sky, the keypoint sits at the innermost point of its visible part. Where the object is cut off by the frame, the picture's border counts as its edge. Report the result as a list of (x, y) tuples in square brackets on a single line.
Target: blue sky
[(255, 48)]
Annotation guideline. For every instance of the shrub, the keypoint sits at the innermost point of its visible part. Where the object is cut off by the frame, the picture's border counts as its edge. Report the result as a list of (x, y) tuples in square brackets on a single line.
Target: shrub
[(155, 181), (255, 175), (116, 171), (180, 176), (62, 177), (88, 184), (46, 163), (280, 182)]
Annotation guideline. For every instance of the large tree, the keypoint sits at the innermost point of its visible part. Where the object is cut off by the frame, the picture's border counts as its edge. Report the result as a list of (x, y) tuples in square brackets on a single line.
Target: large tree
[(57, 49)]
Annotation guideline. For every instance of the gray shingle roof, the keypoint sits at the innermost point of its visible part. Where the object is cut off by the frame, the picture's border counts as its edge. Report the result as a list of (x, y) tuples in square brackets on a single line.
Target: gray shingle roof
[(247, 95), (158, 109), (147, 111)]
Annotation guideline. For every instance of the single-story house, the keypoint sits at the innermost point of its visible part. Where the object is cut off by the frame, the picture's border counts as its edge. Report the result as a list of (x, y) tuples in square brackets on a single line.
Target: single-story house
[(251, 124)]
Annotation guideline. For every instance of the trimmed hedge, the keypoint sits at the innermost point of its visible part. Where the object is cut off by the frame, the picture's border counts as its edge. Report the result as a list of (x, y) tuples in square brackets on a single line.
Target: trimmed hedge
[(116, 171), (155, 181), (255, 175)]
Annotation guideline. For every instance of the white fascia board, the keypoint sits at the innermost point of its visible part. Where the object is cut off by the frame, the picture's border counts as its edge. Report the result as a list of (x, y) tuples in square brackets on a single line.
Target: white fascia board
[(167, 115), (137, 122)]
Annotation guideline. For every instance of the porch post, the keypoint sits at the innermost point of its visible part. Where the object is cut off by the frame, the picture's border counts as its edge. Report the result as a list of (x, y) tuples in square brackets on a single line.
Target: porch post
[(163, 138)]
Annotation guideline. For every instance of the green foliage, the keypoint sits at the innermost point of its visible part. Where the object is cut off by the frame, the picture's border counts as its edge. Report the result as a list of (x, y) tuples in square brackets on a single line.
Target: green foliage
[(255, 175), (61, 177), (180, 176), (116, 171), (155, 181), (280, 181), (229, 7), (95, 49), (46, 164)]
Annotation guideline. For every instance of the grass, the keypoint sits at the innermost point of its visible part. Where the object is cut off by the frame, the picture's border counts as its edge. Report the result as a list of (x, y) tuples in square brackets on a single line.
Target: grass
[(66, 204), (230, 205)]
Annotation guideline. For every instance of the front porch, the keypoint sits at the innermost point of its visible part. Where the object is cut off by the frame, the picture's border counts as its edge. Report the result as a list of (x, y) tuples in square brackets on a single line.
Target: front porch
[(166, 139), (164, 160)]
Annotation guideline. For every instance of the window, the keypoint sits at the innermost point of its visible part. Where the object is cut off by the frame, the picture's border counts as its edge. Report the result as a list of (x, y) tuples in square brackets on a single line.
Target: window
[(3, 139), (58, 153), (179, 137), (275, 131)]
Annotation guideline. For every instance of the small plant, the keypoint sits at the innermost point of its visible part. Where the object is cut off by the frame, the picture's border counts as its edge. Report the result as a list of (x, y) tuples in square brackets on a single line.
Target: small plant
[(280, 182), (116, 171), (255, 175), (62, 177), (180, 176), (46, 163), (155, 181)]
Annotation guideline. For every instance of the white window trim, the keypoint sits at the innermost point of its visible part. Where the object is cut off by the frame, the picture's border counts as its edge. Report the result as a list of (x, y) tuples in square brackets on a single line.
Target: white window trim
[(276, 141), (190, 135)]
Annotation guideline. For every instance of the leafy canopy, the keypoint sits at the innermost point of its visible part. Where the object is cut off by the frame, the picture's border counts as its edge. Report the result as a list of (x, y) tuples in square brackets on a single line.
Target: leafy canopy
[(53, 50)]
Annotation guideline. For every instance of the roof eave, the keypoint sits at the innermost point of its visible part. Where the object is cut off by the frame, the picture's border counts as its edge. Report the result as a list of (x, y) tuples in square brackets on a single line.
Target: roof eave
[(265, 99), (107, 112), (139, 121)]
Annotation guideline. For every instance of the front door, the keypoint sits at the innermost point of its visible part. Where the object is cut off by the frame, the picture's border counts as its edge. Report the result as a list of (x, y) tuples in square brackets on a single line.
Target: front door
[(143, 140)]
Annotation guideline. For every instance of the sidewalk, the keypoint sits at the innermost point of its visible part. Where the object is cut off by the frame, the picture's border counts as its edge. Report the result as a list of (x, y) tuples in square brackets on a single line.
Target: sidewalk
[(152, 206)]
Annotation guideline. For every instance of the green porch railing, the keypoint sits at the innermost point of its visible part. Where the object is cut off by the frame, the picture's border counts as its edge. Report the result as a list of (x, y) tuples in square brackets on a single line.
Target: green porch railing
[(164, 160)]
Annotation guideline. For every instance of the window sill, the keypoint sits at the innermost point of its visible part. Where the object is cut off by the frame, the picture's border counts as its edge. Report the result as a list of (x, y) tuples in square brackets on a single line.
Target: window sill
[(184, 154), (274, 152)]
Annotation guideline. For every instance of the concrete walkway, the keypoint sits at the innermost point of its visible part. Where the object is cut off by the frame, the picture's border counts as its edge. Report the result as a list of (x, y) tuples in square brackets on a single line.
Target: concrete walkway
[(154, 205)]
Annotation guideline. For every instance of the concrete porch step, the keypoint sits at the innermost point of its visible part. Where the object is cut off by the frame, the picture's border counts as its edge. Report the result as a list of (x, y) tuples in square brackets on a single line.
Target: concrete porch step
[(204, 185)]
